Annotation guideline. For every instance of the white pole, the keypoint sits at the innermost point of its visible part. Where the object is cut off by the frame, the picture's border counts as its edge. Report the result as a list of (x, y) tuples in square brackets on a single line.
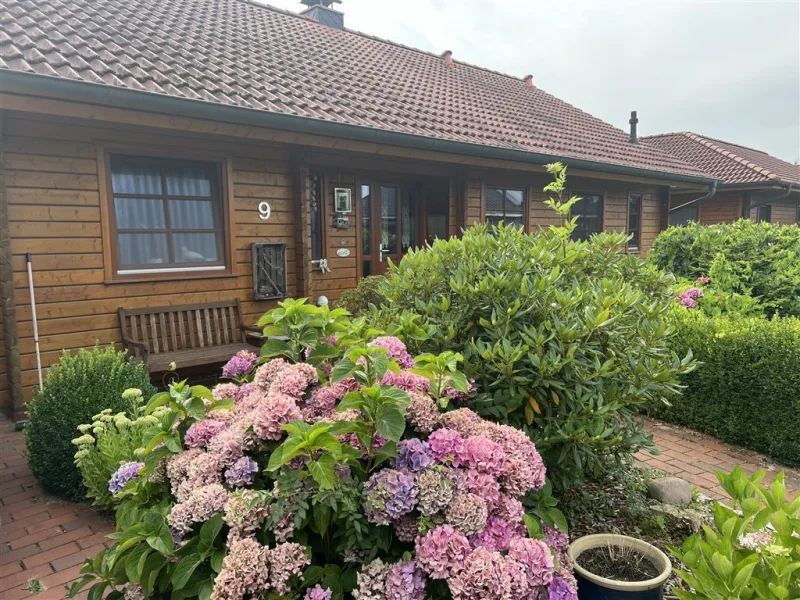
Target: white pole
[(35, 323)]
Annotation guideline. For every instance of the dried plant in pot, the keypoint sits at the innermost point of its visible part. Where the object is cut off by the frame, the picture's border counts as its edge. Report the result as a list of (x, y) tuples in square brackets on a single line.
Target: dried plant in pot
[(618, 567)]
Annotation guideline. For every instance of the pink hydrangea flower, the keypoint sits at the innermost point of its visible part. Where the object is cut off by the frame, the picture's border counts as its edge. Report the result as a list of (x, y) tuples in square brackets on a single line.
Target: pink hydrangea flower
[(484, 455), (200, 433), (442, 551), (703, 280), (318, 593), (688, 302), (294, 380), (267, 372), (285, 561), (405, 581), (407, 381), (222, 391), (447, 446), (201, 504), (496, 536), (396, 349), (422, 413), (244, 571), (272, 415), (487, 576), (535, 557)]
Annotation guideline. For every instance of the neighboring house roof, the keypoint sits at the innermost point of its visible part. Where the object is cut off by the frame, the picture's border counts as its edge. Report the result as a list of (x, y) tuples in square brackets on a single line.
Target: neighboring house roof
[(237, 53), (729, 162)]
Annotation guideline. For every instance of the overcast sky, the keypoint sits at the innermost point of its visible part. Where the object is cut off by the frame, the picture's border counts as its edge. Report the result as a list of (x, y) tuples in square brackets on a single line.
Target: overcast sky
[(728, 69)]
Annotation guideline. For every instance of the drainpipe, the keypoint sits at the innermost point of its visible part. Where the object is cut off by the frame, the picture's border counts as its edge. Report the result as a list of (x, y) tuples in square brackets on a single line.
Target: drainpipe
[(780, 196), (711, 193)]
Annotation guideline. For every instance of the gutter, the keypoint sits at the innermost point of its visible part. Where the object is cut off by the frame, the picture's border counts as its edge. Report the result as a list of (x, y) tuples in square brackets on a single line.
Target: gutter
[(708, 196), (784, 194), (117, 97)]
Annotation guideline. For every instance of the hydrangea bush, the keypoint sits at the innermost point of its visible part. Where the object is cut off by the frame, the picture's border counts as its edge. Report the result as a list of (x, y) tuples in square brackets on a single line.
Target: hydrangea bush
[(702, 295), (335, 466)]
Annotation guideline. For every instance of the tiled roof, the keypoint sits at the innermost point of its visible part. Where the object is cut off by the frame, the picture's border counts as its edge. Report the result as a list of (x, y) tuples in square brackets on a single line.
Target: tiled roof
[(237, 53), (724, 160)]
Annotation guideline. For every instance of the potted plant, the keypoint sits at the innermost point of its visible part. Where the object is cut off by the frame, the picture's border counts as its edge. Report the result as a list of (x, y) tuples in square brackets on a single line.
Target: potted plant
[(618, 567)]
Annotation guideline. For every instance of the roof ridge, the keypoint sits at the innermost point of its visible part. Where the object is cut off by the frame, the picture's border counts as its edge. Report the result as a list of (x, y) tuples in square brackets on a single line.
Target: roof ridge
[(709, 143), (379, 39)]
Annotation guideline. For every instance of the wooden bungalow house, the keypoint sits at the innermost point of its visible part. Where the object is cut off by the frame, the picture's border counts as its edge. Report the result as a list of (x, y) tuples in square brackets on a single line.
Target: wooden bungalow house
[(752, 185), (175, 167)]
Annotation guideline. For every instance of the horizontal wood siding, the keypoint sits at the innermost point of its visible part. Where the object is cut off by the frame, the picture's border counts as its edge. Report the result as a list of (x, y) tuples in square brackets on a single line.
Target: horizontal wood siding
[(4, 399), (652, 220), (53, 189), (475, 208), (724, 207), (785, 213)]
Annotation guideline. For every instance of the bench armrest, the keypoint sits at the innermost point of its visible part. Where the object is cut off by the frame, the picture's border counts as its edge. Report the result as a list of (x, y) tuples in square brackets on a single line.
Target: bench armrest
[(145, 348), (251, 328)]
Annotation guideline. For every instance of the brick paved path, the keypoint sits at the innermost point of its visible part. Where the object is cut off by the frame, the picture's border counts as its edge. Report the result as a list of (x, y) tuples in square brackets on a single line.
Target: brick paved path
[(694, 457), (42, 537)]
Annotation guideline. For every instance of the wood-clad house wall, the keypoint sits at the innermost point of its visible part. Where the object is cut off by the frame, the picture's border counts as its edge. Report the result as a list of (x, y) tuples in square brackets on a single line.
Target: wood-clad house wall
[(54, 194), (786, 212)]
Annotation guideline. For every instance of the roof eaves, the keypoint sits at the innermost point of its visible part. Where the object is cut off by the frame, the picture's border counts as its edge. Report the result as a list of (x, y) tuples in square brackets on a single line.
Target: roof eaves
[(97, 93)]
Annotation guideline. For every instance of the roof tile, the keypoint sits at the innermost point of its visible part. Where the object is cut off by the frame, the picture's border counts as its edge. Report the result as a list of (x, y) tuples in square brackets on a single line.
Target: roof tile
[(732, 163), (240, 53)]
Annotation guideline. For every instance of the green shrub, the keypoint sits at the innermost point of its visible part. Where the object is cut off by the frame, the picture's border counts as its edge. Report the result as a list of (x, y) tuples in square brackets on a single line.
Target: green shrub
[(746, 389), (753, 549), (109, 441), (705, 297), (75, 389), (755, 259), (358, 300), (567, 339)]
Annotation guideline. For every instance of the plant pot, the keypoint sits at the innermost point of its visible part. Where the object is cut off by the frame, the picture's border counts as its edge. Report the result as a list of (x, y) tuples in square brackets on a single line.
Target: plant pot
[(595, 587)]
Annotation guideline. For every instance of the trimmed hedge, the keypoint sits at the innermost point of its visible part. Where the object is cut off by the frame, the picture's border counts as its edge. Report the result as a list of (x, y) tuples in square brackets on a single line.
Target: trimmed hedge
[(756, 259), (80, 386), (746, 390)]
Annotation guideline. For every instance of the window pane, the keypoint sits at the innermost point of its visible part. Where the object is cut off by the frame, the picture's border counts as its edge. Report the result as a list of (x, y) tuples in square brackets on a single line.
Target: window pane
[(409, 219), (764, 213), (494, 199), (389, 220), (513, 199), (135, 179), (494, 220), (683, 215), (191, 214), (195, 247), (366, 220), (514, 219), (143, 249), (188, 181), (437, 227), (139, 213)]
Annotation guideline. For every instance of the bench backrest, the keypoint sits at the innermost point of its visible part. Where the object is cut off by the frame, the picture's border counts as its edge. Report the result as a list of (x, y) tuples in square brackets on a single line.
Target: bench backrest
[(173, 328)]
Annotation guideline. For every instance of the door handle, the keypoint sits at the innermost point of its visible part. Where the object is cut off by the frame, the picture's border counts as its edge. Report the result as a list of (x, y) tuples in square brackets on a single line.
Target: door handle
[(380, 253)]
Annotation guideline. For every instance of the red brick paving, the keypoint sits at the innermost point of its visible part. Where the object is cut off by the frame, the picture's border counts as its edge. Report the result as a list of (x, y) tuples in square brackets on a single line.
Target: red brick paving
[(695, 457), (41, 536)]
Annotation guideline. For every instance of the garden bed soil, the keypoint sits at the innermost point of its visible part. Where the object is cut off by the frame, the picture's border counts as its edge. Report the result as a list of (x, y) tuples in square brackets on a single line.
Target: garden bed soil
[(619, 564)]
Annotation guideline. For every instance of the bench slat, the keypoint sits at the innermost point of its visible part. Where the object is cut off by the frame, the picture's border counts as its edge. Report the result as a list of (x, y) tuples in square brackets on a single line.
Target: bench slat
[(199, 321)]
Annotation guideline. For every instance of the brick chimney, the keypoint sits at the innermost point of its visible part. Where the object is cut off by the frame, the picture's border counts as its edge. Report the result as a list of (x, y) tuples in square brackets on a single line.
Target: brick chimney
[(321, 12), (528, 81)]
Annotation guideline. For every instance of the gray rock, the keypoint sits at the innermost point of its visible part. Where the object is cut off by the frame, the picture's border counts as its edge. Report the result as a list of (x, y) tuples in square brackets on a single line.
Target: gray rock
[(679, 519), (670, 490)]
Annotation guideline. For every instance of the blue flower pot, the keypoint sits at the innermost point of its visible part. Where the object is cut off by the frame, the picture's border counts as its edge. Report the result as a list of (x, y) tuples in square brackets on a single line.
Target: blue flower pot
[(595, 587)]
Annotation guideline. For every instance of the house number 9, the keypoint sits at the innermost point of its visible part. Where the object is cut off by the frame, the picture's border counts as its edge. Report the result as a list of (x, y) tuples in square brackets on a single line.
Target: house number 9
[(264, 210)]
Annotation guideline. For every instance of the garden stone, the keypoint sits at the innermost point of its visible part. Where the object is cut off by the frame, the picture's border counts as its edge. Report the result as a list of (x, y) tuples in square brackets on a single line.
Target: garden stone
[(670, 490), (679, 519)]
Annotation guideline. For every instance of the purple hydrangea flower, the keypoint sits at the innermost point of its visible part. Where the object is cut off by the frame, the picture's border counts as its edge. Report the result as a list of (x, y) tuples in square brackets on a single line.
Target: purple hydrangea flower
[(559, 589), (242, 472), (536, 557), (241, 363), (200, 433), (688, 302), (694, 293), (128, 471), (413, 455), (703, 280), (442, 551), (388, 495), (446, 446), (405, 581)]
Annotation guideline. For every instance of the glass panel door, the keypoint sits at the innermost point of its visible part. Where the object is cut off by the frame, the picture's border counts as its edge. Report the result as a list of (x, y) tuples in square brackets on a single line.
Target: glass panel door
[(389, 225)]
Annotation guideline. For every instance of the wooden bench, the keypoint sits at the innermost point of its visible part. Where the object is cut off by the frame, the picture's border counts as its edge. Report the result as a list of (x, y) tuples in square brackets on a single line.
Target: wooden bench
[(189, 335)]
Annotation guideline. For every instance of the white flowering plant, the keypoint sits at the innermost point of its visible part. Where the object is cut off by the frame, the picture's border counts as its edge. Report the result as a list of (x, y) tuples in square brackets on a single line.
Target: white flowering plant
[(753, 549), (108, 442), (327, 468)]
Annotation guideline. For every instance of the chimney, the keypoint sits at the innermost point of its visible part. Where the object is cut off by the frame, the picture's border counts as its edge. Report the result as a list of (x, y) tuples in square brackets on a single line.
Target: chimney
[(528, 81), (633, 122), (321, 12), (448, 59)]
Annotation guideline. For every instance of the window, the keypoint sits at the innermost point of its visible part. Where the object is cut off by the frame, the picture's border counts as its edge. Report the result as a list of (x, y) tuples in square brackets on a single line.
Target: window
[(590, 210), (765, 213), (634, 220), (683, 215), (167, 215), (505, 205), (317, 210)]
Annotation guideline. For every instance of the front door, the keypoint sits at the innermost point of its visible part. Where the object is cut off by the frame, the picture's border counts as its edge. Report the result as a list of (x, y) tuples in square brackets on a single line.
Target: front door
[(389, 224)]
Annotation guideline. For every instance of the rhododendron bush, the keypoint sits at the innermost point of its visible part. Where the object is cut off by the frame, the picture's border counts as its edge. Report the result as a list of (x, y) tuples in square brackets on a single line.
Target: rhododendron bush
[(332, 466)]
